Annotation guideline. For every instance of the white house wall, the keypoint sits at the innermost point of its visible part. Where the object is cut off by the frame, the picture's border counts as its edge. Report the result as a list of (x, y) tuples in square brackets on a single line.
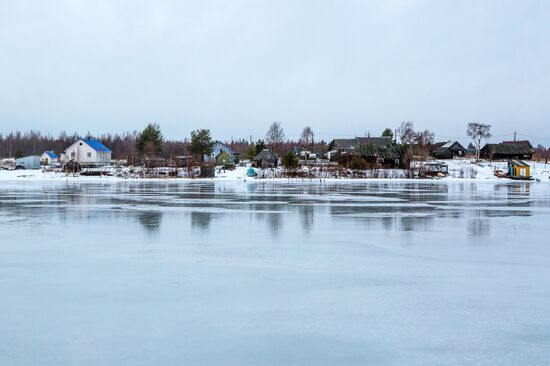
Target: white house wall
[(84, 153)]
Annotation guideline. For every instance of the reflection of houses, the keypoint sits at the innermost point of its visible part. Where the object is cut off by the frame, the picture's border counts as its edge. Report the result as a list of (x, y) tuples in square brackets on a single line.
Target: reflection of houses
[(448, 150), (49, 158), (506, 151), (28, 162), (88, 152), (265, 159)]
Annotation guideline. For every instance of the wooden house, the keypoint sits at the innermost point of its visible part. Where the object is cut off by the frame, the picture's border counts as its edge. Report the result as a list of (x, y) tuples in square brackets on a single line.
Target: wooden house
[(265, 159), (223, 158), (448, 150), (506, 151), (519, 169)]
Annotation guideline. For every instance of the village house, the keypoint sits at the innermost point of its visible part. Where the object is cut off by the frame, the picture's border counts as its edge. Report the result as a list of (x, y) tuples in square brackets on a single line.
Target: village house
[(505, 151), (88, 151), (217, 150), (49, 158), (448, 150), (349, 146), (265, 159), (224, 158)]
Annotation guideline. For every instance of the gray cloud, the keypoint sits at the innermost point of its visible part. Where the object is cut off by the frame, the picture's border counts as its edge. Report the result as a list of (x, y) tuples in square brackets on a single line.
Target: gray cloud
[(343, 67)]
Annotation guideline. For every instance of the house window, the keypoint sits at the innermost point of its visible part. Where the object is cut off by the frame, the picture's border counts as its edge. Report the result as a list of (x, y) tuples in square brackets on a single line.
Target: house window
[(89, 154), (72, 154)]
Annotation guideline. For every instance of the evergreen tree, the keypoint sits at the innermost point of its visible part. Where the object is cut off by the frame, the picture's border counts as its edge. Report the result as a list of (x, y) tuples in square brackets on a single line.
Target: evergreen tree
[(150, 141), (388, 133), (201, 143), (260, 146), (290, 161)]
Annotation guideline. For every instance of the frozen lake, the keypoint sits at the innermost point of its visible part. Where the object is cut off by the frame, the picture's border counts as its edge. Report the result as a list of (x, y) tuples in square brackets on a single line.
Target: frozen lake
[(237, 273)]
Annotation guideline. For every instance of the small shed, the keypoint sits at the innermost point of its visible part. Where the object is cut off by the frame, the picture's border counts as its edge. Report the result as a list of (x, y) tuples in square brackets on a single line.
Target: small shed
[(72, 166), (49, 158), (519, 169), (28, 162), (435, 167), (265, 159)]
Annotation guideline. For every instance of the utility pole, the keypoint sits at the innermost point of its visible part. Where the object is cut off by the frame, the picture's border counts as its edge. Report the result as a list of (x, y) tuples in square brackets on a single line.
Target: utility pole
[(514, 136)]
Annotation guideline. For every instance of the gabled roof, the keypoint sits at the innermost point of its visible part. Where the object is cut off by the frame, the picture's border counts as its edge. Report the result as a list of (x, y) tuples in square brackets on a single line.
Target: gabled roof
[(265, 155), (508, 149), (378, 141), (97, 145), (51, 154), (350, 144), (518, 163), (519, 142), (442, 147)]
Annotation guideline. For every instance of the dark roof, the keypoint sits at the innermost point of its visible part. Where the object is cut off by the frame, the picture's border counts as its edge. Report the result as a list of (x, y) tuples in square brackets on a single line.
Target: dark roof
[(97, 145), (350, 144), (519, 142), (379, 141), (442, 147), (507, 149), (265, 155)]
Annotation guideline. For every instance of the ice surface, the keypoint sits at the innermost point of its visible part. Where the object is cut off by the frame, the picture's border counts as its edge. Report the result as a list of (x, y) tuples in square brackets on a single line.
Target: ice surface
[(272, 273)]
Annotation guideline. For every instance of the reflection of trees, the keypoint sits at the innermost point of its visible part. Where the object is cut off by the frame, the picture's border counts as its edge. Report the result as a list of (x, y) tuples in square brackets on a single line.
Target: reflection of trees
[(479, 227), (275, 223), (150, 220), (307, 215), (201, 220)]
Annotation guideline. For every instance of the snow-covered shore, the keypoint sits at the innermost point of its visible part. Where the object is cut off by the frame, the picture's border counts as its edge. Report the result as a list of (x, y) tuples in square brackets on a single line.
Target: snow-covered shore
[(459, 170)]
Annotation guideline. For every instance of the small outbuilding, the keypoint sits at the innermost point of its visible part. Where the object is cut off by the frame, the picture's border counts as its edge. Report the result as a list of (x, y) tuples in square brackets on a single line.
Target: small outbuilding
[(519, 169), (49, 158), (435, 167), (265, 159), (28, 162)]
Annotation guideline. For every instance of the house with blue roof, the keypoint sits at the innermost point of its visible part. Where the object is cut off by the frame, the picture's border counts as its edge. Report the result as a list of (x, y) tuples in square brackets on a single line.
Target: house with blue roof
[(88, 152), (49, 158)]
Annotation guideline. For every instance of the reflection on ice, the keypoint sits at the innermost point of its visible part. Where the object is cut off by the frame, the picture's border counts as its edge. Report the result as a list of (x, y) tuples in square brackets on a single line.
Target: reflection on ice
[(205, 272)]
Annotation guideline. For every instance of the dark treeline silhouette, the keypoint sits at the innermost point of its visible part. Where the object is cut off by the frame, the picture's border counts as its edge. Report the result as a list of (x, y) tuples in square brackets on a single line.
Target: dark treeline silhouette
[(15, 144)]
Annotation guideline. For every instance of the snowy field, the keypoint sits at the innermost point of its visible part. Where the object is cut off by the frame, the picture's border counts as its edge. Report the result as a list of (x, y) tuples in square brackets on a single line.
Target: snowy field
[(232, 272)]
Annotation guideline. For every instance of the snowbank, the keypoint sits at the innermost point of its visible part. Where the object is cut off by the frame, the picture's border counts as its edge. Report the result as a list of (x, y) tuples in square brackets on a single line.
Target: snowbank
[(458, 170)]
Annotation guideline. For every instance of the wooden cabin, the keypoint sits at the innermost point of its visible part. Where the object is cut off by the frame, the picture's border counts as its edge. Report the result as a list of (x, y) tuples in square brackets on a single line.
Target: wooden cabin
[(519, 169)]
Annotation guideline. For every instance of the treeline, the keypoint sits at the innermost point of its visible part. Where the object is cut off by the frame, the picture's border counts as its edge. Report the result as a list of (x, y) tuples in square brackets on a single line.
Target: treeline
[(17, 144)]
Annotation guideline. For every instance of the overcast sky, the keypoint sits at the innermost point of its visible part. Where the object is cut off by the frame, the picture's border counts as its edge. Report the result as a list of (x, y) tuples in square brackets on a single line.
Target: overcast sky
[(343, 67)]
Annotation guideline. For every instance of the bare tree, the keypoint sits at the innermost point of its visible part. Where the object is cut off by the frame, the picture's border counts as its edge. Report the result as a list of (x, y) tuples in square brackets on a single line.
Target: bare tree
[(424, 139), (275, 136), (406, 132), (307, 137), (478, 131)]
